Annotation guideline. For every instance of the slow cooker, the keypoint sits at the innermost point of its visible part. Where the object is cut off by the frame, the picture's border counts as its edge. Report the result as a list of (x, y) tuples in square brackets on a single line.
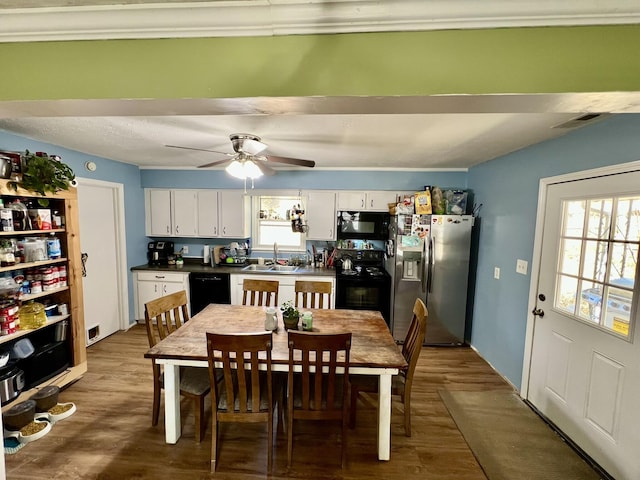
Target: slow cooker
[(11, 383)]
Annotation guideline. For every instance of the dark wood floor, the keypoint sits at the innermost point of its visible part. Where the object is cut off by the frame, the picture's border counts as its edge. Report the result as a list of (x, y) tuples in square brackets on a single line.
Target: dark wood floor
[(111, 437)]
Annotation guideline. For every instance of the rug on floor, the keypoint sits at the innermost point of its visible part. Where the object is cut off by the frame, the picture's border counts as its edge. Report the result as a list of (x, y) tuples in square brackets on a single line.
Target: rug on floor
[(510, 441)]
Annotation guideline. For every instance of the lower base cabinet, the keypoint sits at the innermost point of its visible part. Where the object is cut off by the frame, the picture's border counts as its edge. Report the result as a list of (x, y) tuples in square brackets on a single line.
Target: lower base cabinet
[(150, 285)]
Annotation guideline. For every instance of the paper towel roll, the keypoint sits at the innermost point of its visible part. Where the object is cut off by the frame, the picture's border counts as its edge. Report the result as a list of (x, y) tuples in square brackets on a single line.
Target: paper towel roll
[(206, 252)]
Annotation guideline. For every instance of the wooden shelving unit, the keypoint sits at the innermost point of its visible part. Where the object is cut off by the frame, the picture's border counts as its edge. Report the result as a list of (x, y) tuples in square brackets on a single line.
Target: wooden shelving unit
[(67, 202)]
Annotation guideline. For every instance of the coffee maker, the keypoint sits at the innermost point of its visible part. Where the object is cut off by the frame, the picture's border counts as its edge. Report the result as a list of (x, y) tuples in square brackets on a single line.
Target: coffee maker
[(158, 252)]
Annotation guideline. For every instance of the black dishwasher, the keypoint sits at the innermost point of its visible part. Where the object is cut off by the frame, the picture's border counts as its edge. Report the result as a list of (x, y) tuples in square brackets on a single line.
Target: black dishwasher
[(208, 288)]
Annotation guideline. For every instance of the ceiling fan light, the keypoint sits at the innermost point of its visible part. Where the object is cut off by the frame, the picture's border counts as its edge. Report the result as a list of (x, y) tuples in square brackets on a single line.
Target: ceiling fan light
[(252, 170), (236, 169), (243, 169)]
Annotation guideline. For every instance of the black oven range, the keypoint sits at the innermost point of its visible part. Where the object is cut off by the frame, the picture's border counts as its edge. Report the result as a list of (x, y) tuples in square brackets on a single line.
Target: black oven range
[(362, 282)]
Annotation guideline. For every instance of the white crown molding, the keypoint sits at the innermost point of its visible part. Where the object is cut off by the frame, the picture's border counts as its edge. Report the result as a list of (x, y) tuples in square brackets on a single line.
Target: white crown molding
[(291, 17)]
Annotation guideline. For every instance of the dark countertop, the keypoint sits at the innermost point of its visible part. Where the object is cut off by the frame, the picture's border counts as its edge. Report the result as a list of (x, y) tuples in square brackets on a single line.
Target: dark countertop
[(195, 266)]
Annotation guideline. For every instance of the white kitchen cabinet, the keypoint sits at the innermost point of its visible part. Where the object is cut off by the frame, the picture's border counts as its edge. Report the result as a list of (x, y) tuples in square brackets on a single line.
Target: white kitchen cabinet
[(197, 213), (208, 218), (150, 285), (286, 286), (321, 215), (184, 213), (158, 212), (374, 201), (234, 208)]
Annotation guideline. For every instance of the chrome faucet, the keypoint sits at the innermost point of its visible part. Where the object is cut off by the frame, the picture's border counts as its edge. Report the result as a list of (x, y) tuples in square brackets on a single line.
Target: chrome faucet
[(275, 253)]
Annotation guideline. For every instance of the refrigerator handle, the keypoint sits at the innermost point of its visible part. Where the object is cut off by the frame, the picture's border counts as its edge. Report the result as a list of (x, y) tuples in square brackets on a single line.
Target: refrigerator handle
[(429, 264)]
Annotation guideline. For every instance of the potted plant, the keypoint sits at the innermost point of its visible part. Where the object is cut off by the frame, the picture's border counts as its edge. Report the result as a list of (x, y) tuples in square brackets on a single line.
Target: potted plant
[(290, 315), (42, 173)]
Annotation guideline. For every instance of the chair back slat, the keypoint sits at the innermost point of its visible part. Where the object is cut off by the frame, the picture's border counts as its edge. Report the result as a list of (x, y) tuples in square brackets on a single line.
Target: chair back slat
[(311, 294), (260, 292), (240, 358), (319, 361), (245, 394), (415, 337), (165, 315), (317, 392)]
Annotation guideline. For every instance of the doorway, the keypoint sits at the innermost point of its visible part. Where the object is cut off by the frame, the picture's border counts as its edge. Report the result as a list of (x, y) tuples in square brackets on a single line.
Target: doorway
[(582, 358), (102, 243)]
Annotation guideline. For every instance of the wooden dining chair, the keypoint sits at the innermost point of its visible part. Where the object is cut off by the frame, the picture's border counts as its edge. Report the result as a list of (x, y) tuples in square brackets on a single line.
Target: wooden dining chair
[(260, 292), (245, 394), (401, 383), (313, 294), (318, 391), (163, 316)]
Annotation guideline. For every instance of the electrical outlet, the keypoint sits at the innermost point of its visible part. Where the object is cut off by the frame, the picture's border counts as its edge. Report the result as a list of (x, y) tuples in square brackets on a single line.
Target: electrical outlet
[(521, 266), (185, 249), (496, 273)]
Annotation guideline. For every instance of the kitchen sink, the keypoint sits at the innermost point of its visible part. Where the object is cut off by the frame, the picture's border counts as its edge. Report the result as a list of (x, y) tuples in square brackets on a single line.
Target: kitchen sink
[(257, 268), (284, 268)]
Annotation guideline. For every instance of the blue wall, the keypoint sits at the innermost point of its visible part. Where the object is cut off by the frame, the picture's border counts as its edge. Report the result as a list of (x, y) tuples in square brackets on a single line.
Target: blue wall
[(508, 189)]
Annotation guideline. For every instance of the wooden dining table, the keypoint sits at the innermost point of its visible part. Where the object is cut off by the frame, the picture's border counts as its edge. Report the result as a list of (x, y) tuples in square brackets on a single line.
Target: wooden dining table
[(373, 352)]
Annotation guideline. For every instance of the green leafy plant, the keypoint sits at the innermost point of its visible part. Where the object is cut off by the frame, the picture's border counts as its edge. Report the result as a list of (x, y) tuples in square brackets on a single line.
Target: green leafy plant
[(43, 174), (289, 311)]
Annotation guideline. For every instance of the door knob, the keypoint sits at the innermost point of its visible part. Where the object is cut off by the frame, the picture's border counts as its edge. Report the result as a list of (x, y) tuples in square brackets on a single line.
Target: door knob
[(538, 312)]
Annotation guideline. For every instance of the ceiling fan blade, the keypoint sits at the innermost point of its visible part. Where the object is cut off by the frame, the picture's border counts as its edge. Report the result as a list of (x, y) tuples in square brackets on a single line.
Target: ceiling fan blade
[(292, 161), (200, 150), (264, 168), (213, 164), (253, 147)]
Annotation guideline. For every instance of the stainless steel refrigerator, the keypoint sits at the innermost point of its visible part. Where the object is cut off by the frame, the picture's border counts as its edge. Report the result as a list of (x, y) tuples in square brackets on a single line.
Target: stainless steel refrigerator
[(428, 258)]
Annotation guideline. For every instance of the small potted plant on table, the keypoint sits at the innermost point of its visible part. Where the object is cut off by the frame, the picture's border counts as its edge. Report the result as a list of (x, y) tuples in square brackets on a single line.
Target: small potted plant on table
[(290, 315)]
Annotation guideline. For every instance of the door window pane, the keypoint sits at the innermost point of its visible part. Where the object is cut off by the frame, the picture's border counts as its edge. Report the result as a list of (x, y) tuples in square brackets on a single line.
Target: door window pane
[(597, 262), (599, 218), (570, 256), (594, 261), (573, 221)]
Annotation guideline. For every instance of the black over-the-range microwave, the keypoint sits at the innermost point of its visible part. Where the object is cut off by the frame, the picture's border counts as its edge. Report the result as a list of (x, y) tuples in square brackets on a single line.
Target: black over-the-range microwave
[(363, 225)]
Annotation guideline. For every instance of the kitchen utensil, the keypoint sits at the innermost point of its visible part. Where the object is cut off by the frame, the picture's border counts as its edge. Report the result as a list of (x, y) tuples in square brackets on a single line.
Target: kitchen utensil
[(22, 349), (5, 167), (4, 358), (347, 263)]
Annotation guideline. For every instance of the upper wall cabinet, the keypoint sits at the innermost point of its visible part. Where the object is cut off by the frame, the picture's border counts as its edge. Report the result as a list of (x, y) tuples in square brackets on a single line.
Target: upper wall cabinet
[(234, 214), (197, 213), (208, 224), (321, 215), (372, 201), (170, 213), (158, 212), (184, 213)]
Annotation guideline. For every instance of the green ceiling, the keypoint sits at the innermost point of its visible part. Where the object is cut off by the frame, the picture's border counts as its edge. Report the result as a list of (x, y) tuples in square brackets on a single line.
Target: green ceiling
[(516, 60)]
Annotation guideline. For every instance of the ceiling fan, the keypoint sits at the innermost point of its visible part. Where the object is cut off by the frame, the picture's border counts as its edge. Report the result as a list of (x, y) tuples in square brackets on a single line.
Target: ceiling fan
[(248, 161)]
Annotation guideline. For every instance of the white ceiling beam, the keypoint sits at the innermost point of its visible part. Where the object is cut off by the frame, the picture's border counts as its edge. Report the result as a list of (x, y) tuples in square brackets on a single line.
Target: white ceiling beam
[(288, 17)]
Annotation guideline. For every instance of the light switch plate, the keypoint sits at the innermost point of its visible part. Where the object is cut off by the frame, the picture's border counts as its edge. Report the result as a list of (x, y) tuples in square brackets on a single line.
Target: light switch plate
[(496, 273), (185, 249), (521, 266)]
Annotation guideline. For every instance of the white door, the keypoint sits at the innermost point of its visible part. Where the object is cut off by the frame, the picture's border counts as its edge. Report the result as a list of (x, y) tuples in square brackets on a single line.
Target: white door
[(585, 355), (101, 238)]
